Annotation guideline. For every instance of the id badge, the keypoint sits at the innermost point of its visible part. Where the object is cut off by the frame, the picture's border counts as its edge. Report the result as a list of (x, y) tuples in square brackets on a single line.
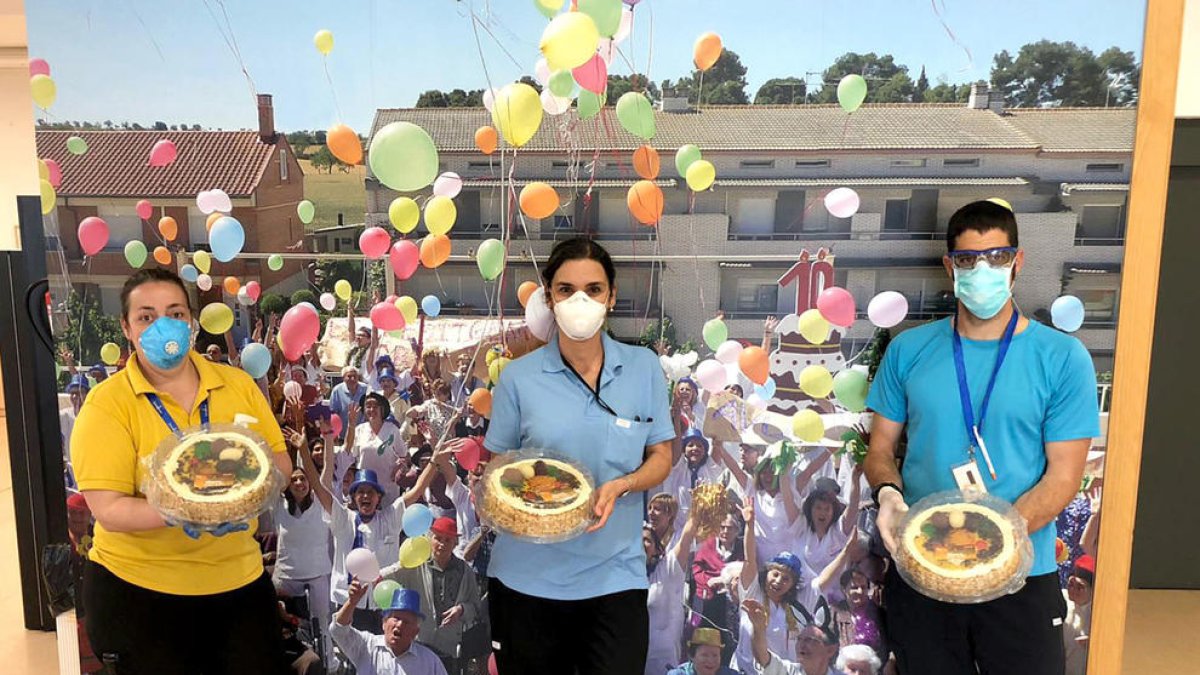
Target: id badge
[(968, 477)]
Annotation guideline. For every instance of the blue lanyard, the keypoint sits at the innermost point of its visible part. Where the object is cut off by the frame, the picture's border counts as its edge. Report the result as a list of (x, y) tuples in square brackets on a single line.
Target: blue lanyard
[(964, 392), (166, 416)]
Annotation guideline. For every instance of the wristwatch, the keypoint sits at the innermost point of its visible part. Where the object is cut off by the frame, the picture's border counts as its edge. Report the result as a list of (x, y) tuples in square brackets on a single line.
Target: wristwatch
[(878, 488)]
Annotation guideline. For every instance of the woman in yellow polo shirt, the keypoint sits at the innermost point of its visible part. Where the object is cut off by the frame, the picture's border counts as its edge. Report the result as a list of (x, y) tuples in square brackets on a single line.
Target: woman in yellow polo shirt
[(159, 599)]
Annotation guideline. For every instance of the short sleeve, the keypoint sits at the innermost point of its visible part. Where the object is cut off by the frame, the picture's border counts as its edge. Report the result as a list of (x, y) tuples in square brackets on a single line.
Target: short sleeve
[(887, 396), (504, 432), (1074, 411), (660, 407), (103, 453)]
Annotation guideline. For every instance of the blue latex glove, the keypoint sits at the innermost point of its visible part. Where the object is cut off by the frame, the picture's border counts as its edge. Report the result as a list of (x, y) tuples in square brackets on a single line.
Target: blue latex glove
[(220, 531)]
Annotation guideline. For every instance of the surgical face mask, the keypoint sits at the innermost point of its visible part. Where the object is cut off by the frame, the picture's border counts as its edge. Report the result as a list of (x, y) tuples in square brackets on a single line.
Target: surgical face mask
[(579, 316), (166, 342), (983, 289)]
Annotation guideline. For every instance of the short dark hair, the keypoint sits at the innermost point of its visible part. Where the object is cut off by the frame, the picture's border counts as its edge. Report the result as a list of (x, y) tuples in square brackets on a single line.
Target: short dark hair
[(578, 248), (981, 216), (148, 276)]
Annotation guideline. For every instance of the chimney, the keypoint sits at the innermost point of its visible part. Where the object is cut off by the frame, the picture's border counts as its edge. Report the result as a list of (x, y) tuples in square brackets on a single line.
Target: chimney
[(266, 119), (979, 99), (674, 104)]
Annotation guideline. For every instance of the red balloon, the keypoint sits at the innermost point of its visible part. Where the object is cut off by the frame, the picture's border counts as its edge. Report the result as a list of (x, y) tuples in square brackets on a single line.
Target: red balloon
[(335, 422), (55, 173), (386, 316), (254, 289), (298, 330), (492, 669), (836, 305), (144, 209), (471, 453), (373, 242), (93, 235), (405, 257)]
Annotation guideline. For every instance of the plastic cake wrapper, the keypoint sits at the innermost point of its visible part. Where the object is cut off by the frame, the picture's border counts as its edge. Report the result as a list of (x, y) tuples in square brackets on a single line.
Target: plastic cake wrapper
[(567, 525)]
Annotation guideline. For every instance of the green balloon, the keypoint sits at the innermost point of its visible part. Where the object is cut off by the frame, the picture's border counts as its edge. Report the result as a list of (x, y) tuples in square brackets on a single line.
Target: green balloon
[(76, 145), (562, 83), (490, 258), (851, 92), (606, 14), (715, 333), (684, 157), (275, 262), (636, 114), (850, 387), (135, 253), (384, 591), (548, 8), (306, 211), (403, 157), (590, 104)]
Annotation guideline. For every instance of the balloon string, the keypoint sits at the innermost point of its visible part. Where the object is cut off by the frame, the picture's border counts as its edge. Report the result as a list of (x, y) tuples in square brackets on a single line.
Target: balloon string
[(953, 38), (231, 42), (332, 89), (149, 33)]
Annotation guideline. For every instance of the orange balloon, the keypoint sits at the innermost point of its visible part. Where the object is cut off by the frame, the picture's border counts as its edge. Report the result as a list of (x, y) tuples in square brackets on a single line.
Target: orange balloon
[(486, 139), (212, 218), (645, 162), (538, 200), (435, 250), (525, 290), (645, 201), (168, 228), (162, 255), (232, 285), (344, 144), (706, 50), (481, 401), (754, 363)]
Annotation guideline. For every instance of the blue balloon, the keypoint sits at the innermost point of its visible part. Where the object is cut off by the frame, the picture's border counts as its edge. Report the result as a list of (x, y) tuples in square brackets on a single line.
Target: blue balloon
[(417, 520), (256, 360), (226, 238), (1067, 313), (189, 273), (766, 390), (431, 306)]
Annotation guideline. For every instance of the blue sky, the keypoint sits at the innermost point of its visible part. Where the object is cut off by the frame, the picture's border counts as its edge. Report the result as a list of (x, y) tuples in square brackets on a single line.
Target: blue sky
[(105, 54)]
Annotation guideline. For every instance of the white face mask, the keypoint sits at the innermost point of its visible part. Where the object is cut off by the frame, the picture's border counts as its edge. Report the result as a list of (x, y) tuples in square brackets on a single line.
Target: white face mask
[(579, 316)]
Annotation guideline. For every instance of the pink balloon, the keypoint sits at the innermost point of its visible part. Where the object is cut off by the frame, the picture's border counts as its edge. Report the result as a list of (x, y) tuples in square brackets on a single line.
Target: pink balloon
[(93, 235), (592, 75), (253, 289), (373, 242), (163, 153), (728, 351), (448, 184), (55, 172), (711, 375), (204, 282), (887, 309), (405, 257), (836, 305), (39, 67), (335, 422), (144, 209), (468, 458), (386, 316), (493, 669), (298, 330), (292, 390), (328, 301), (842, 202)]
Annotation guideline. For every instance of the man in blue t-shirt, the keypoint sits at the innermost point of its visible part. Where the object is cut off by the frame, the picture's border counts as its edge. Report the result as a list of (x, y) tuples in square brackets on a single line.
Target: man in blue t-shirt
[(987, 397)]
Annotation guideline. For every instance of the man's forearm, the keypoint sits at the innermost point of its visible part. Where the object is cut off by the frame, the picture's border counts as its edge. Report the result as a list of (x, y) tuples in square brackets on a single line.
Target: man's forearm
[(653, 471), (345, 614), (1045, 500), (880, 466), (758, 643)]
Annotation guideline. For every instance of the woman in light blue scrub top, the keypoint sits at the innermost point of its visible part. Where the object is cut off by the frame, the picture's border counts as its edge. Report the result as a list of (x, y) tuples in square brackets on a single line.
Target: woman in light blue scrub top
[(579, 606)]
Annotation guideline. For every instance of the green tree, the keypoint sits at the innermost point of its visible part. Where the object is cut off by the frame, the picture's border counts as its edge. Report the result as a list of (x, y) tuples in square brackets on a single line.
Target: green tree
[(781, 91), (88, 328), (272, 304), (922, 87), (304, 295), (324, 159), (947, 93), (887, 81), (724, 83), (618, 85), (455, 98), (1052, 74)]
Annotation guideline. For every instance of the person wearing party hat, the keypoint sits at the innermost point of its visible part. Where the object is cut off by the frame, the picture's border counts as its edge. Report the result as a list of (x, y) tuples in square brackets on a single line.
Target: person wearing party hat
[(395, 651), (704, 655)]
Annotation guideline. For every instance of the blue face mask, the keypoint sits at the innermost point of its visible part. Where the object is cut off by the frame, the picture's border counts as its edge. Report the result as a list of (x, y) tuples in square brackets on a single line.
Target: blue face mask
[(983, 289), (166, 342)]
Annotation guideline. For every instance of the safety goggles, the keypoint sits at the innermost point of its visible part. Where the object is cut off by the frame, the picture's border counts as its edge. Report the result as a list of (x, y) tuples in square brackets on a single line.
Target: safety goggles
[(994, 257)]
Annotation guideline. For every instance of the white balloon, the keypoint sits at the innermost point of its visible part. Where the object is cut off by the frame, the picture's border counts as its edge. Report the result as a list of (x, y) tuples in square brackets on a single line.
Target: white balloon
[(842, 202), (204, 282), (243, 297), (625, 27), (293, 390), (728, 351), (887, 309), (489, 98), (554, 105), (541, 72), (362, 563), (538, 317), (711, 375), (221, 201), (204, 202), (449, 184), (328, 301)]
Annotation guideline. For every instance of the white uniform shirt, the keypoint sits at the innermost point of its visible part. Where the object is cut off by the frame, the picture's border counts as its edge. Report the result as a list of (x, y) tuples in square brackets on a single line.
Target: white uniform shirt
[(370, 654), (381, 535), (779, 639), (379, 453), (464, 514), (302, 549), (668, 586)]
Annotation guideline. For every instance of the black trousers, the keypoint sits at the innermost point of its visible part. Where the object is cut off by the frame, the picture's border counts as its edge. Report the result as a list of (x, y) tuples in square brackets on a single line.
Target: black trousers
[(1018, 634), (139, 631), (606, 635)]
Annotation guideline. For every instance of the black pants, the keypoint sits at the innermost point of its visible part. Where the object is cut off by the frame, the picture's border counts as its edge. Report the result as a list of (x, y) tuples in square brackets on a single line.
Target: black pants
[(139, 631), (607, 635), (1018, 634)]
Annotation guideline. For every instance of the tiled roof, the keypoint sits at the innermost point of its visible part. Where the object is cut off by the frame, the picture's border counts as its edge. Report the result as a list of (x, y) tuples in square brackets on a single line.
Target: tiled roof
[(801, 128), (866, 182), (117, 163)]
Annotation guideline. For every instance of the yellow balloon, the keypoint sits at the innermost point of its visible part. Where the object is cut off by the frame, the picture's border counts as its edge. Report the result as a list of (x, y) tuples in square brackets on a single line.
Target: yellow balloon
[(323, 41), (343, 289), (110, 353), (415, 551), (816, 381), (1001, 202), (569, 41), (440, 214), (404, 214), (517, 112), (408, 308), (700, 175), (216, 318), (203, 261), (43, 89), (813, 327), (49, 197), (496, 367), (43, 170), (807, 426)]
